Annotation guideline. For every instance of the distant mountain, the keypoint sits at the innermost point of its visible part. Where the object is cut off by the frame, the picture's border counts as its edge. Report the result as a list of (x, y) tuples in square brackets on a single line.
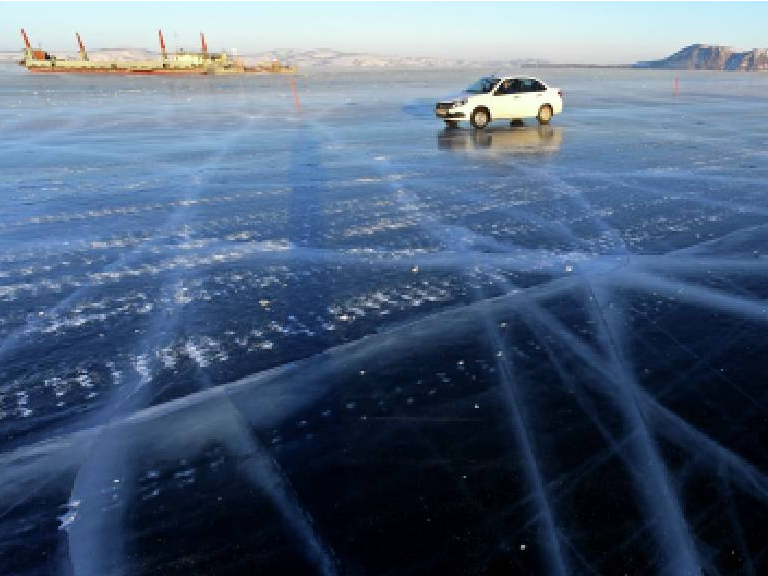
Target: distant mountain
[(326, 57), (709, 57)]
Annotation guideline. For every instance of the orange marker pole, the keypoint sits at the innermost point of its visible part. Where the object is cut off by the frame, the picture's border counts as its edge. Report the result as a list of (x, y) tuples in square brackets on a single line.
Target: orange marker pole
[(295, 95)]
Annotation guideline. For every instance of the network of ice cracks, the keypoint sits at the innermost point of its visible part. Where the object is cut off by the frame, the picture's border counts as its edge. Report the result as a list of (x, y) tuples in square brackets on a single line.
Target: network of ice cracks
[(599, 275)]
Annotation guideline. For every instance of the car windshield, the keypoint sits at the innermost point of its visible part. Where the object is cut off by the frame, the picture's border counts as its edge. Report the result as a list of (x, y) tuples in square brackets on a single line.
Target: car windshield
[(483, 86)]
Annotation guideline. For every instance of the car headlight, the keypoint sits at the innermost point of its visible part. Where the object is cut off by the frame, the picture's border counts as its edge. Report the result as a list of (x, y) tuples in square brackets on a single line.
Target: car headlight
[(460, 102)]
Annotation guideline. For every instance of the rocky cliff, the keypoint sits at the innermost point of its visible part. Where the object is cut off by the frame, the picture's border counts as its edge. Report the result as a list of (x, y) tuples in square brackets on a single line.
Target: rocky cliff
[(708, 57)]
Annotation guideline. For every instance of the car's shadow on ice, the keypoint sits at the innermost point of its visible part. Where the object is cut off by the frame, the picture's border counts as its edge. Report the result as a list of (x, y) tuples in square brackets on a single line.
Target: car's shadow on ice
[(514, 139)]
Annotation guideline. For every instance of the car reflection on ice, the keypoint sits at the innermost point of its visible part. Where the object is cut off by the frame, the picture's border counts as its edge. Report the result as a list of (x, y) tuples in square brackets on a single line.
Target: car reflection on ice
[(518, 140)]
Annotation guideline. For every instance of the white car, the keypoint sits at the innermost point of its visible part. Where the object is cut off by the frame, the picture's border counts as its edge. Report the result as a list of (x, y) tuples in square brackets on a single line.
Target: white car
[(506, 97)]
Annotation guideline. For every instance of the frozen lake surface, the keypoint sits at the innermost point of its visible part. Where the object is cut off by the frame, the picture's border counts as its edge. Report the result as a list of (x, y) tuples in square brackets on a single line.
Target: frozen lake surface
[(236, 339)]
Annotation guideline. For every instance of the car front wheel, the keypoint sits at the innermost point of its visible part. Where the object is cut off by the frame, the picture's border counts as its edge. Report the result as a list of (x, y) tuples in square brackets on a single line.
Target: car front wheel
[(545, 114), (480, 118)]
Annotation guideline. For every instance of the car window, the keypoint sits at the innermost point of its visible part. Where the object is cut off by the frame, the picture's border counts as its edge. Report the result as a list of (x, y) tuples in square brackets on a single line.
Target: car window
[(483, 86), (510, 86), (504, 88), (531, 85)]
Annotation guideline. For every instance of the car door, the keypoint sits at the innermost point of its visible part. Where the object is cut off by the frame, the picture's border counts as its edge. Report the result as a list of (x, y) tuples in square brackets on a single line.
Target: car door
[(508, 100), (532, 96)]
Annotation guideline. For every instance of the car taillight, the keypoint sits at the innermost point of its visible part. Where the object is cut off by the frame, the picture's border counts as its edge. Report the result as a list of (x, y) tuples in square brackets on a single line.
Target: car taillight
[(560, 93)]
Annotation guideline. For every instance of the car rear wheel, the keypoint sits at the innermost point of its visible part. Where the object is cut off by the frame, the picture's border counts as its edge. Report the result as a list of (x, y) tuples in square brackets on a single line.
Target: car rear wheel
[(480, 118), (545, 114)]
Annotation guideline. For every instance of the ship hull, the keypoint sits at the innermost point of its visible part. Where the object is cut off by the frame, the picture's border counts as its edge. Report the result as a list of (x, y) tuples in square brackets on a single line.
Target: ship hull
[(152, 72), (119, 72)]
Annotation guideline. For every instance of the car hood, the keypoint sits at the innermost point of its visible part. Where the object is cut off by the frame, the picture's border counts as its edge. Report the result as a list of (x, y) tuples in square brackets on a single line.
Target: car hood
[(455, 97)]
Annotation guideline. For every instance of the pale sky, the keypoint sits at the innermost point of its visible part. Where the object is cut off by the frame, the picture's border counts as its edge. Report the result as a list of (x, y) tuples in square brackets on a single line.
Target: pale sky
[(603, 32)]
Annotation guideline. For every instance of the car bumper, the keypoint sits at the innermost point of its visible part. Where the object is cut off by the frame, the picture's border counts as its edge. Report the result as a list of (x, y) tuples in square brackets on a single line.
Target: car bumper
[(452, 109), (454, 113)]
